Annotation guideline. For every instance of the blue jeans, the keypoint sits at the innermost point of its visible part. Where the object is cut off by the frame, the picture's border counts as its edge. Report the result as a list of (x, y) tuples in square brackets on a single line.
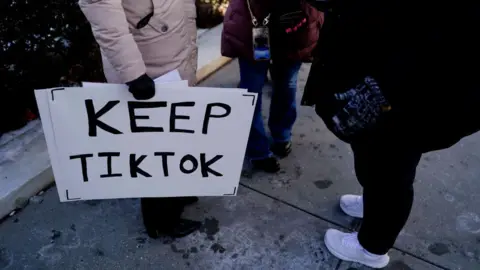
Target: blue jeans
[(283, 108)]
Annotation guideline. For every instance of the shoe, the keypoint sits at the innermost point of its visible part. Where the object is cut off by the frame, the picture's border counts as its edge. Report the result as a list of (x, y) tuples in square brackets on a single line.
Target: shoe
[(345, 246), (281, 150), (352, 205), (157, 223), (269, 164), (189, 200), (183, 228)]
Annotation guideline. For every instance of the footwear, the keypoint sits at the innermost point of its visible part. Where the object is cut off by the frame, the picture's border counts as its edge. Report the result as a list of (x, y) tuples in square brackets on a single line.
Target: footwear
[(162, 218), (189, 200), (352, 205), (269, 164), (183, 228), (345, 246), (282, 150)]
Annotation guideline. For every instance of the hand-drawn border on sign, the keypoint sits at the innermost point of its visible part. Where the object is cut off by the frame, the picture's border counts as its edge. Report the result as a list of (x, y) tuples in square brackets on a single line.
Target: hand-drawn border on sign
[(249, 95), (56, 89), (70, 199), (231, 194)]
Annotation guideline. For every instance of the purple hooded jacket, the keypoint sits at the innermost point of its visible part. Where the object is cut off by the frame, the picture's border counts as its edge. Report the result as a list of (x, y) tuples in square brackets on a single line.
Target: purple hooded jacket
[(237, 31)]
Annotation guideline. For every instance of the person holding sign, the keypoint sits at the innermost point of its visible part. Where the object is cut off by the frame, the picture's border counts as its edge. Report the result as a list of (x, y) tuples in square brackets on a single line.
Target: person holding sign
[(141, 40), (260, 33)]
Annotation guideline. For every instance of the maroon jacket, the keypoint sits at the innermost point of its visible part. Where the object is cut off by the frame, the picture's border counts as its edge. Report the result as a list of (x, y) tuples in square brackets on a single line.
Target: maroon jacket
[(237, 31)]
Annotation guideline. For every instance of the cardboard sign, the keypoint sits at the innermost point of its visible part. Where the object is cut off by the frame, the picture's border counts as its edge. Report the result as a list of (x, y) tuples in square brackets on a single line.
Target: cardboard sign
[(183, 142)]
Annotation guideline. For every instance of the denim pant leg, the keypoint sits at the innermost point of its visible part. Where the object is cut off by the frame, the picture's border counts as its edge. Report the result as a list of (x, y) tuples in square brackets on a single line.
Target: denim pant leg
[(283, 109), (252, 77)]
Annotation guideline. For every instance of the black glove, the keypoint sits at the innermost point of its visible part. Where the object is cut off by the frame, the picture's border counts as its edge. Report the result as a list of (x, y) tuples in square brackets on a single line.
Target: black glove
[(142, 88)]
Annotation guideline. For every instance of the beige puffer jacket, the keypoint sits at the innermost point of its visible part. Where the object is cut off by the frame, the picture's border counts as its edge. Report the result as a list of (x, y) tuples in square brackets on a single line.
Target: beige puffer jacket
[(168, 42)]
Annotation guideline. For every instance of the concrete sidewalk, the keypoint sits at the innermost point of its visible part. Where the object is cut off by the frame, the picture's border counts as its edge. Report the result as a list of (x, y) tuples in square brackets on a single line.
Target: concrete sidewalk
[(275, 222)]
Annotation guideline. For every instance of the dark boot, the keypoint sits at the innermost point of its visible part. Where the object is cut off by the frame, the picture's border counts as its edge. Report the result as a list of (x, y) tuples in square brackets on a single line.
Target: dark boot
[(150, 216), (188, 200), (161, 217), (269, 164), (183, 228), (281, 150)]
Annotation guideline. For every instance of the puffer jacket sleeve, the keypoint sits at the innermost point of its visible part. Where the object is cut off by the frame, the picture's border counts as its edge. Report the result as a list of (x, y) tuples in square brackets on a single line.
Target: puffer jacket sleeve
[(110, 29)]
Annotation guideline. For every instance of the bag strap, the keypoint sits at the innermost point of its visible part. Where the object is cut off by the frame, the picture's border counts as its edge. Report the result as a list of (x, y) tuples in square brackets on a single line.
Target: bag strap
[(266, 20)]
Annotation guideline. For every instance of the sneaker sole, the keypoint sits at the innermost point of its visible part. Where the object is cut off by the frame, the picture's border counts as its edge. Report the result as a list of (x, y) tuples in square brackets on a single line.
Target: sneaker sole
[(343, 258)]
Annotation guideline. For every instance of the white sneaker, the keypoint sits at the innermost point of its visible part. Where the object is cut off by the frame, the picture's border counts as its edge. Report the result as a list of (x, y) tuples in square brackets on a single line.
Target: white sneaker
[(352, 205), (345, 246)]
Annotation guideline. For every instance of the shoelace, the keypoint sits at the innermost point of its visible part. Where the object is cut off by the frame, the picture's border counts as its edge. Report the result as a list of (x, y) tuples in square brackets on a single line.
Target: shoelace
[(351, 241)]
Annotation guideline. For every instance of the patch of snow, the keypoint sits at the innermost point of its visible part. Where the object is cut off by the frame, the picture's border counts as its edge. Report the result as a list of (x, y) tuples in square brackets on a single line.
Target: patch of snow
[(13, 144)]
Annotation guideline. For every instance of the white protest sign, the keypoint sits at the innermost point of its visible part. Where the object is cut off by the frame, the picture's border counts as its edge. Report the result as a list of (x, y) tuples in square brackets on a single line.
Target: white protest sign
[(183, 142), (171, 76)]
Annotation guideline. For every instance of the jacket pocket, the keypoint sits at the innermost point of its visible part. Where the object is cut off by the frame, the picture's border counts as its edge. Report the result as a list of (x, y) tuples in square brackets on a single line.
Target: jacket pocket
[(167, 21), (135, 11), (169, 15)]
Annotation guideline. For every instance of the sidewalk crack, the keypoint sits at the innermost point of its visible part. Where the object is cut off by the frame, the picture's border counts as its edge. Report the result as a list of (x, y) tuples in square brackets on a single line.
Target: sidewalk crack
[(296, 207)]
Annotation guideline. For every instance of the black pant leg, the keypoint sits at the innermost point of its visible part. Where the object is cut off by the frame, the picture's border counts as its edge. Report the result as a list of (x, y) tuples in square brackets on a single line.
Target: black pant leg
[(162, 213), (386, 171)]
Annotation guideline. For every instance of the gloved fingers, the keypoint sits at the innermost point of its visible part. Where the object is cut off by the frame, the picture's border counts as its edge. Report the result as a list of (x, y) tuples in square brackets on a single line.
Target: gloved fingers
[(142, 88), (143, 95)]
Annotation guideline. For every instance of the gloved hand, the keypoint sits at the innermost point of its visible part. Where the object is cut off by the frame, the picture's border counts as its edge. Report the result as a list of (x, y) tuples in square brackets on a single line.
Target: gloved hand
[(142, 88)]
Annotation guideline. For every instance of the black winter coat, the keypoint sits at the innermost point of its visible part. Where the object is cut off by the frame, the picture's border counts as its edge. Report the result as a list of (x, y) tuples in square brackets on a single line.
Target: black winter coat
[(425, 56)]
